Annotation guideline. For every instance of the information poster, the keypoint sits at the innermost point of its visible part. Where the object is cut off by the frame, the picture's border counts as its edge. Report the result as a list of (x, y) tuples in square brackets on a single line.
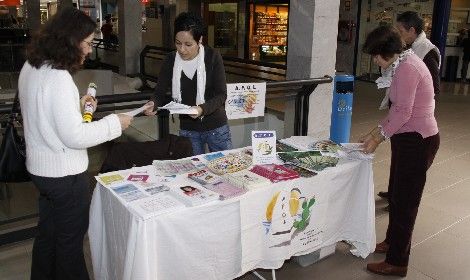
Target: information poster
[(245, 100), (263, 144)]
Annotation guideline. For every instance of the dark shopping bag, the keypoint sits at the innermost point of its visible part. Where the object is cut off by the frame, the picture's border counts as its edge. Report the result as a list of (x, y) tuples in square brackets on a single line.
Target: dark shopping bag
[(13, 151)]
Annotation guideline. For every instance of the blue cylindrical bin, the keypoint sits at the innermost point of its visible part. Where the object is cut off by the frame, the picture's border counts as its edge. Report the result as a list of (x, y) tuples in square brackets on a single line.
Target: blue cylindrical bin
[(342, 108)]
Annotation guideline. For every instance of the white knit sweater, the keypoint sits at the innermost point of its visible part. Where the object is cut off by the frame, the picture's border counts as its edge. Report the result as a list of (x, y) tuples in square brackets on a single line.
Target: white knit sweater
[(56, 136)]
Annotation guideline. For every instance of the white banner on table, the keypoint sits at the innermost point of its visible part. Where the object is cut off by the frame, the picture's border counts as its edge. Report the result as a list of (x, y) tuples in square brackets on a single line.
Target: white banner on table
[(291, 220), (245, 100)]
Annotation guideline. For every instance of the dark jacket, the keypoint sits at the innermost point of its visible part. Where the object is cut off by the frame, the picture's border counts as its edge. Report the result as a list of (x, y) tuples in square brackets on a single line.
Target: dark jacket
[(431, 59), (213, 110)]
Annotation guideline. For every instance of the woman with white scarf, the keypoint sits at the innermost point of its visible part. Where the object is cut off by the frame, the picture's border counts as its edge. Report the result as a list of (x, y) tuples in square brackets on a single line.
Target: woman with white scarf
[(196, 77), (412, 129)]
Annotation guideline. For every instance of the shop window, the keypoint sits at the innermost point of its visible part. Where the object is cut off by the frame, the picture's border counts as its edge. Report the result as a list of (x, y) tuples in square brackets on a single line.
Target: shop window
[(268, 32)]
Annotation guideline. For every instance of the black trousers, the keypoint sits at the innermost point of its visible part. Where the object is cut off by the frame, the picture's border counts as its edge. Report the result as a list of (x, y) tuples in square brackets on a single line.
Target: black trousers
[(411, 158), (63, 221)]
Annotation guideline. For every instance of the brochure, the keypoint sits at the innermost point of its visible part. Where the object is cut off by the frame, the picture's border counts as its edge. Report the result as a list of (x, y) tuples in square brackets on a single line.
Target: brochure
[(230, 163), (246, 179), (173, 167), (193, 195), (264, 147), (275, 172), (311, 160), (128, 192), (225, 190), (204, 177)]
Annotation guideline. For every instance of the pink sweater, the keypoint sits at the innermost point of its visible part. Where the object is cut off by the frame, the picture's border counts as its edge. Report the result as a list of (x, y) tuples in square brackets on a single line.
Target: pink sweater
[(412, 97)]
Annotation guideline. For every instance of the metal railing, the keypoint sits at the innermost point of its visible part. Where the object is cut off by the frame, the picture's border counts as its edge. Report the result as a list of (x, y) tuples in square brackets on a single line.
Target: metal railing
[(300, 89), (252, 69)]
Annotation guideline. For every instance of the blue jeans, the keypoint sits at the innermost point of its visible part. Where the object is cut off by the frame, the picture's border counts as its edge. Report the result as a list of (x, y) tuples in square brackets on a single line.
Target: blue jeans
[(218, 139)]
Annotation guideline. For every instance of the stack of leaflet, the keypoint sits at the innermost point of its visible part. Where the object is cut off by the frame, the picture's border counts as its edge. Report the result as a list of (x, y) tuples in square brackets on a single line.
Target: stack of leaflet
[(178, 108), (204, 177), (275, 172), (353, 151), (311, 160), (225, 190), (282, 147), (173, 167), (194, 194), (230, 163), (246, 179), (215, 183)]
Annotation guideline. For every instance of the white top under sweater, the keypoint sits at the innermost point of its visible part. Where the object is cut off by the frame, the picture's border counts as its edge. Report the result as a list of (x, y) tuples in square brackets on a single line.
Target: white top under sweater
[(56, 136)]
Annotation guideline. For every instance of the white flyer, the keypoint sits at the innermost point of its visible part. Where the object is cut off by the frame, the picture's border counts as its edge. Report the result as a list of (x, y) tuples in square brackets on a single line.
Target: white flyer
[(263, 144), (135, 112), (245, 100), (178, 108)]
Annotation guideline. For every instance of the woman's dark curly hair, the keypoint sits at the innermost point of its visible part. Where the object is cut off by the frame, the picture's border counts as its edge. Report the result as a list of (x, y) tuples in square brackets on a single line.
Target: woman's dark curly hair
[(385, 41), (191, 22), (57, 42)]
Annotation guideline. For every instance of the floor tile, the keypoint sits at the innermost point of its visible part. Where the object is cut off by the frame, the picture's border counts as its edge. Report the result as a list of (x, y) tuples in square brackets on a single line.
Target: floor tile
[(443, 257)]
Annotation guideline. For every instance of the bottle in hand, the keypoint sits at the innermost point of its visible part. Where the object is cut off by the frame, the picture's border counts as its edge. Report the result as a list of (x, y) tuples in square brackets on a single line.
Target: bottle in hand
[(88, 109)]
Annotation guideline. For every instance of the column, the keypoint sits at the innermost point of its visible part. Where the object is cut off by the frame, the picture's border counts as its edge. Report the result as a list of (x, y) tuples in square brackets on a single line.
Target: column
[(32, 14), (313, 29), (130, 36)]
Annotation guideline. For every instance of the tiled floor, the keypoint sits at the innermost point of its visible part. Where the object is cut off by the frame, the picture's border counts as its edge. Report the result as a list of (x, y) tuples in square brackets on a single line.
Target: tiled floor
[(441, 240)]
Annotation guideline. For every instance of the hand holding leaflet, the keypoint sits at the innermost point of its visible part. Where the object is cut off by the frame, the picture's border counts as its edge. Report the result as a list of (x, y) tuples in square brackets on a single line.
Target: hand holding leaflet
[(178, 108), (135, 112)]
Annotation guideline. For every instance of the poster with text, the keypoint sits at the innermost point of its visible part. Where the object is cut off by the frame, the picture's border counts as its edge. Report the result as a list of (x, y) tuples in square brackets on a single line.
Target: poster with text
[(245, 100)]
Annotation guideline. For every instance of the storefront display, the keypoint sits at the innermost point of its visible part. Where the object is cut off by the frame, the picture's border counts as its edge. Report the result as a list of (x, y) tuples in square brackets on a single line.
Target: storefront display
[(268, 32)]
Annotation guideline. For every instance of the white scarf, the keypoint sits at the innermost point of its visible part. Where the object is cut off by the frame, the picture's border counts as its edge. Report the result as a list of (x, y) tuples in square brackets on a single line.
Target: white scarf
[(201, 77), (386, 79), (421, 46)]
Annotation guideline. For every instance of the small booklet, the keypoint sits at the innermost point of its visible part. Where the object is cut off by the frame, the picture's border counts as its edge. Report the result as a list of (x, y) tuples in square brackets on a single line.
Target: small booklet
[(193, 195), (225, 190), (246, 179), (275, 172), (204, 177)]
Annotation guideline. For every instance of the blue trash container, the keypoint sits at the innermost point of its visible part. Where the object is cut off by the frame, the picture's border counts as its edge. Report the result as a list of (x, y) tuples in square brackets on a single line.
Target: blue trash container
[(342, 108)]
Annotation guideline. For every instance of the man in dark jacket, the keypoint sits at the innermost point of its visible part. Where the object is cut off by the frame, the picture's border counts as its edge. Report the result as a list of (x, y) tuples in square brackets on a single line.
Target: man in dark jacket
[(466, 57)]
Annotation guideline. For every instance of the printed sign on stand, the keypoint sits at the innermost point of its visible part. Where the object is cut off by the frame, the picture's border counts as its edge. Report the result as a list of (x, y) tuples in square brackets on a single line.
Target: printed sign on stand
[(263, 144), (245, 100)]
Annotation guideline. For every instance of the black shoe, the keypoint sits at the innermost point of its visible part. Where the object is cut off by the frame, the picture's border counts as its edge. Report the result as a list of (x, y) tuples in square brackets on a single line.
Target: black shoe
[(383, 195)]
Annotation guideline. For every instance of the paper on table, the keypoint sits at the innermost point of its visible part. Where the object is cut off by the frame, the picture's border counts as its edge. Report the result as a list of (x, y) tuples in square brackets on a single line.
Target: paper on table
[(135, 112), (178, 108)]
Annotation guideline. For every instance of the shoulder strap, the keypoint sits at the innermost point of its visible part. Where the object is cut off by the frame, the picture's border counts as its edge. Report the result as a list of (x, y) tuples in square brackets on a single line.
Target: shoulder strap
[(15, 108)]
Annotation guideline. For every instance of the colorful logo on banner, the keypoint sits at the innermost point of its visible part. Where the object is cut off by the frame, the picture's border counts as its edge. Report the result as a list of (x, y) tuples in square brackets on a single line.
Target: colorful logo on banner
[(287, 214), (245, 100)]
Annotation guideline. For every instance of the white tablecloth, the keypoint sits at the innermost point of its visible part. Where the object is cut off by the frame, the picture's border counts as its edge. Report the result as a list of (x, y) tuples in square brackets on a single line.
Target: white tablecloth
[(225, 239)]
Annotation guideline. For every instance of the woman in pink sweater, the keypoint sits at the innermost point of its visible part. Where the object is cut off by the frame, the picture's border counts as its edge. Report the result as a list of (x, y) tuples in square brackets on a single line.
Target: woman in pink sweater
[(412, 129)]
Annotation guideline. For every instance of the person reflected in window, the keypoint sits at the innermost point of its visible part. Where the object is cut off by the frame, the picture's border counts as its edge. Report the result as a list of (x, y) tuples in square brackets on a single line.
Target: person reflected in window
[(195, 75), (57, 140), (412, 129)]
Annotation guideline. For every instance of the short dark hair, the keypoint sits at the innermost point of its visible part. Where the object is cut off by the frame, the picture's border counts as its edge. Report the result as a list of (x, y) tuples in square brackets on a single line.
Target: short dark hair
[(385, 41), (191, 22), (58, 41), (411, 19)]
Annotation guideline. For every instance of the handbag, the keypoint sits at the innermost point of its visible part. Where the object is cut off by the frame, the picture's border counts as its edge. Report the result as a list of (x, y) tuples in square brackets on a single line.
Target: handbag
[(13, 150)]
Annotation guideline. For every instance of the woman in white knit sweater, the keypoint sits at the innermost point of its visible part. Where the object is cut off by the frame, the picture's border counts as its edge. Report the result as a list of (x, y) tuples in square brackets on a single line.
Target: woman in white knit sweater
[(56, 142)]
